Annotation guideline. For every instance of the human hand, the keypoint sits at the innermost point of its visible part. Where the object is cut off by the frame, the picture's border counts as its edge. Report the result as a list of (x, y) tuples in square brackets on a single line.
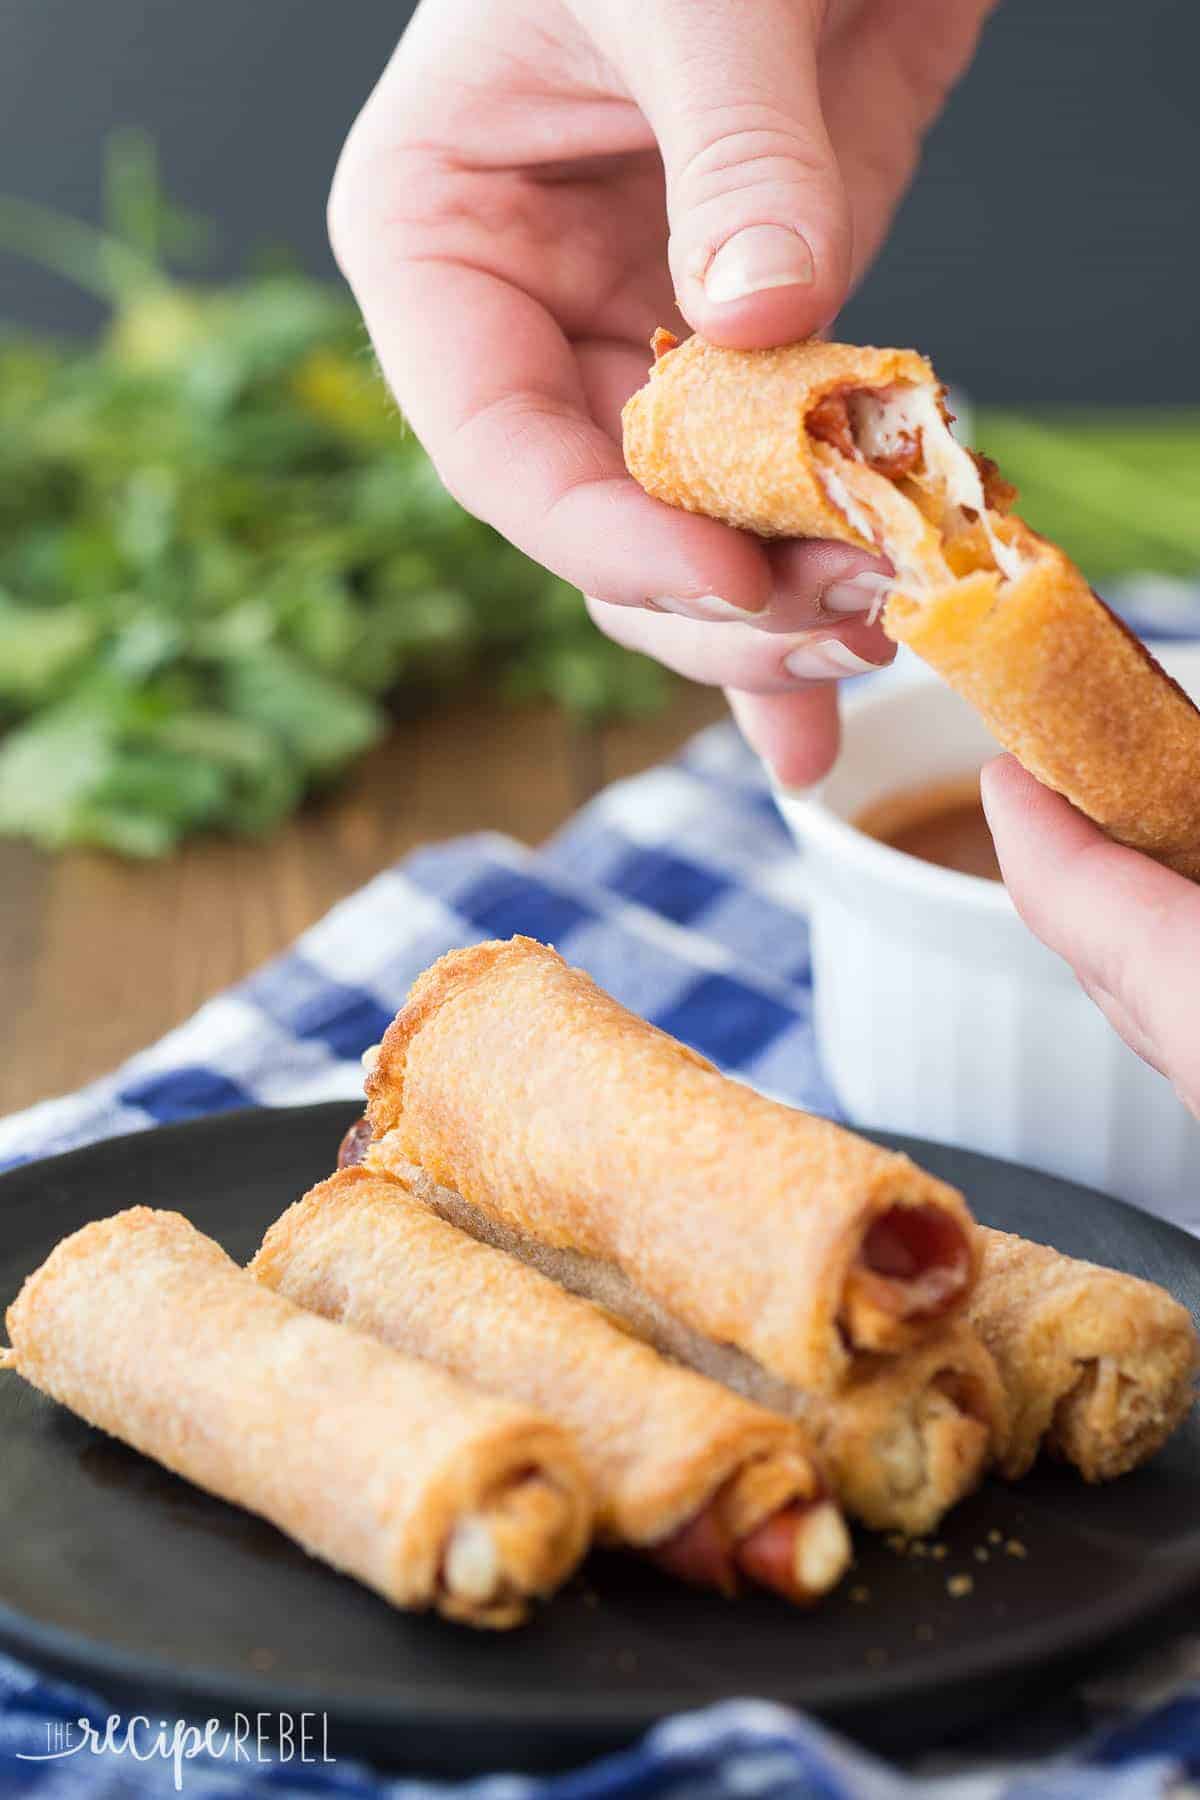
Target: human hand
[(534, 185), (1129, 928)]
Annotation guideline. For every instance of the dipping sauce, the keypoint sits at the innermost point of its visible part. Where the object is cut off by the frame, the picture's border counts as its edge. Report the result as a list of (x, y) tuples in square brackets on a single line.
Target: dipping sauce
[(940, 822)]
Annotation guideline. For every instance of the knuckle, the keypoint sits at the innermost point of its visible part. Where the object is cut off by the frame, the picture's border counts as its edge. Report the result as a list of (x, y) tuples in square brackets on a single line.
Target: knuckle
[(340, 209), (351, 206), (384, 197), (733, 149), (514, 426)]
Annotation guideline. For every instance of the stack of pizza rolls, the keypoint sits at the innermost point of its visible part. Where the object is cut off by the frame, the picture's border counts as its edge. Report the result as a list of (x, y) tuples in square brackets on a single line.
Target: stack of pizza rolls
[(707, 1485), (818, 440), (902, 1440), (810, 1270), (573, 1281), (425, 1489), (813, 1273)]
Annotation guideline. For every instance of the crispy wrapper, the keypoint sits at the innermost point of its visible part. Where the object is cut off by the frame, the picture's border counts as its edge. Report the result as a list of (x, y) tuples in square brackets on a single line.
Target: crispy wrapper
[(661, 1445), (902, 1441), (1099, 1367), (836, 441), (426, 1490), (722, 432), (513, 1079), (913, 1435), (1064, 685)]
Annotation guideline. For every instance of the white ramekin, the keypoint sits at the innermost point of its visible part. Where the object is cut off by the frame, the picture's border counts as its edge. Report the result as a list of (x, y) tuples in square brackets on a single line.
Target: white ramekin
[(937, 1012)]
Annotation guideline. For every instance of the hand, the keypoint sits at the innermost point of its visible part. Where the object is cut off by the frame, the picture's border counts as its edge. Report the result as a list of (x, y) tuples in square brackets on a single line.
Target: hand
[(1129, 928), (532, 187)]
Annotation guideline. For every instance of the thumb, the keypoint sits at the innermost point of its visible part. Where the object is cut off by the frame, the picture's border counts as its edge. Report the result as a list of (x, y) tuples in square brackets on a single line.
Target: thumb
[(760, 230)]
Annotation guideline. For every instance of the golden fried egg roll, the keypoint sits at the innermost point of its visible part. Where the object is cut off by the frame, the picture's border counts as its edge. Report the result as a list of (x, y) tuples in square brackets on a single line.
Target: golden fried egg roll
[(425, 1489), (684, 1471), (903, 1439), (853, 443), (1099, 1367), (513, 1079)]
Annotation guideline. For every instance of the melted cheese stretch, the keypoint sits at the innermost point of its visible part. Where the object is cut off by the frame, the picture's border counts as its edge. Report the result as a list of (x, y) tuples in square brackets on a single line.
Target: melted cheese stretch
[(882, 424)]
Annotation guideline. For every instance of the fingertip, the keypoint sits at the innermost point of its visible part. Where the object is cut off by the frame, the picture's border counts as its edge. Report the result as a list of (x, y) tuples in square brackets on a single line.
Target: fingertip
[(764, 283), (1025, 814), (804, 571), (870, 642), (1000, 780), (796, 735), (783, 315)]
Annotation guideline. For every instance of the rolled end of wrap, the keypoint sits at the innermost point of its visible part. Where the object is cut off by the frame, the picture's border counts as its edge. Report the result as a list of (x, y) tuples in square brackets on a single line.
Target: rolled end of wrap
[(1099, 1367), (909, 1438), (516, 1548), (914, 1267), (456, 972), (1121, 1412), (776, 1531)]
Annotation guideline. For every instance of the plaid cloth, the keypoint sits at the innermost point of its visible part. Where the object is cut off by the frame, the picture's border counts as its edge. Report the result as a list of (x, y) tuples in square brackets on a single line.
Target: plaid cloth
[(679, 891)]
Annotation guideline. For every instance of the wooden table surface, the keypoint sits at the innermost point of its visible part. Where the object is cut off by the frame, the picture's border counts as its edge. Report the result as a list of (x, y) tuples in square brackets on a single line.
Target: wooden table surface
[(99, 956)]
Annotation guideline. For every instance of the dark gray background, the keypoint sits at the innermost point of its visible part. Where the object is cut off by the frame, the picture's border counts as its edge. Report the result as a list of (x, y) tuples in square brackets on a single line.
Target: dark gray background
[(1049, 252)]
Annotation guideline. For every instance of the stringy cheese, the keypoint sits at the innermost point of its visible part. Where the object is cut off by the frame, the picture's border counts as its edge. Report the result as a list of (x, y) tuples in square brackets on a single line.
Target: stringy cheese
[(883, 425)]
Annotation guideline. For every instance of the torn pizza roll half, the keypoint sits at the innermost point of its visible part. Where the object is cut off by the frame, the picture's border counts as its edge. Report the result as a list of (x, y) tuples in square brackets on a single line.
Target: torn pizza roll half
[(853, 443), (1099, 1367), (513, 1079), (706, 1485), (428, 1491), (902, 1441)]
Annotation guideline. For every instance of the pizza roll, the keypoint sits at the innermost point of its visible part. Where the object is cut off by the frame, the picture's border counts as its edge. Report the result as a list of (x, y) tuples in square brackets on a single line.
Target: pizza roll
[(513, 1079), (903, 1439), (1099, 1367), (853, 443), (703, 1482), (425, 1489)]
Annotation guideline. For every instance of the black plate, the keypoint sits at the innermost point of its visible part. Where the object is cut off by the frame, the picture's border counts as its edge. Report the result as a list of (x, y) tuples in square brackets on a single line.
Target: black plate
[(115, 1571)]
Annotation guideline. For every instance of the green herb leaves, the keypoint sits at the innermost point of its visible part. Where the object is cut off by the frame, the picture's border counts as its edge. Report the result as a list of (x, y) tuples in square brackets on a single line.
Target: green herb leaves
[(221, 553)]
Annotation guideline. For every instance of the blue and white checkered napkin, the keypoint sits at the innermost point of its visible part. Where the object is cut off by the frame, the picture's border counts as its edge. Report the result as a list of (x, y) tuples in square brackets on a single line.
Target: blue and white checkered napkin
[(678, 891)]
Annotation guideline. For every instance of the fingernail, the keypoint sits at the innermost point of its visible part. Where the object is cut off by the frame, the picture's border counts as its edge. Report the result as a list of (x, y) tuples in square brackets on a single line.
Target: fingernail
[(860, 594), (825, 658), (709, 607), (761, 256)]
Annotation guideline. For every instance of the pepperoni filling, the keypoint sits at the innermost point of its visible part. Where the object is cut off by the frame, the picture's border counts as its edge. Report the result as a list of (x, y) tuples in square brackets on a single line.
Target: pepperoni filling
[(353, 1147), (800, 1551), (830, 422), (907, 1242), (913, 1264), (891, 467), (700, 1553)]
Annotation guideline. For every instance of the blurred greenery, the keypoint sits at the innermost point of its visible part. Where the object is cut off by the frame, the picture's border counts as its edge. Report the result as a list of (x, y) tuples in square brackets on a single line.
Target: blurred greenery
[(223, 558), (1120, 491)]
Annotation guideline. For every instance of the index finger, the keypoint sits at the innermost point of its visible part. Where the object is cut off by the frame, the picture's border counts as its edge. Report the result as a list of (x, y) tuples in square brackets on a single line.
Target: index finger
[(492, 388)]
